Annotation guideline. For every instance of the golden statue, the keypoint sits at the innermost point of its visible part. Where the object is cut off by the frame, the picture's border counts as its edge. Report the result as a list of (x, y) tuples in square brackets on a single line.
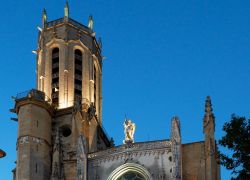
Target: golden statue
[(129, 130)]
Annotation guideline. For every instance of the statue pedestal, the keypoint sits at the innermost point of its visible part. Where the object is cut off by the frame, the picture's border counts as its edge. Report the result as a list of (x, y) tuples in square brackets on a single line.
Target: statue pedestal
[(128, 142)]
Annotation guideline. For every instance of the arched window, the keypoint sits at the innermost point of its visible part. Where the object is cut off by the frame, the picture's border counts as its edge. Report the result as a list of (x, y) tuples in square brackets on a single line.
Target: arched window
[(78, 75), (55, 77), (131, 175), (130, 171)]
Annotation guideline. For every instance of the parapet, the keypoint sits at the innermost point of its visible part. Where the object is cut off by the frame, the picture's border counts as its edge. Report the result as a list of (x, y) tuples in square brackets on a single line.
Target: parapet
[(35, 97)]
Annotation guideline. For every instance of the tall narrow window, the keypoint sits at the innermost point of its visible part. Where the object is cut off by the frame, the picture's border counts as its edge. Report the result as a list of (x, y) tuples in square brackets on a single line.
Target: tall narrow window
[(36, 167), (55, 77), (95, 81), (78, 75)]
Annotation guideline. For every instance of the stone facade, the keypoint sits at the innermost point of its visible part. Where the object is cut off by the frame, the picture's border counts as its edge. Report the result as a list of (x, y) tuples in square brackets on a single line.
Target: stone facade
[(155, 158), (60, 133)]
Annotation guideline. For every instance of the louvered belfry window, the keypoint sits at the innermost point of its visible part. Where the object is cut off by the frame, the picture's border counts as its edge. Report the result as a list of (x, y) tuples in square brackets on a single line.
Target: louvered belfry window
[(78, 75), (55, 77)]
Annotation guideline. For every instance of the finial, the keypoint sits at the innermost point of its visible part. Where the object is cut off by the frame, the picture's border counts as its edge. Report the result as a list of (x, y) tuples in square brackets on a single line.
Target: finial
[(44, 18), (91, 23), (66, 10)]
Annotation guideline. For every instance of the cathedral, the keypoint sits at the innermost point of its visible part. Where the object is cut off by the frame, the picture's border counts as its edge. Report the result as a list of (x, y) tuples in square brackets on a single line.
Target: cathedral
[(60, 132)]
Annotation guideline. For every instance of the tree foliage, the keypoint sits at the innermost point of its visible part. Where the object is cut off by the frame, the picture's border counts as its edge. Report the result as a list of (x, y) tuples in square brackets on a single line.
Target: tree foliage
[(237, 140)]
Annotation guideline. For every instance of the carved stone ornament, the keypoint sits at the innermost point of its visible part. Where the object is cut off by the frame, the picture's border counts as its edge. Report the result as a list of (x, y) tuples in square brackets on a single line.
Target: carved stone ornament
[(56, 158), (24, 139), (135, 147), (91, 111), (77, 106)]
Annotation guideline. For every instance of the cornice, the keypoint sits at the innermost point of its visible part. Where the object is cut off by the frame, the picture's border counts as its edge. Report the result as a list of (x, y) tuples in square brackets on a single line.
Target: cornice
[(134, 149)]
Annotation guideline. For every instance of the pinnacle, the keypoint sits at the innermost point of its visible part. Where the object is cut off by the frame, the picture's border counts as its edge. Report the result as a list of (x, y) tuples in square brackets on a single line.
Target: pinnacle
[(208, 105), (44, 17), (67, 4), (209, 116), (66, 9)]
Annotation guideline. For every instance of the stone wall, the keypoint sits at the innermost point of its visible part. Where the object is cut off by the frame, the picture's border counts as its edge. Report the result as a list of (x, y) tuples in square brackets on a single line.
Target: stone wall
[(193, 163)]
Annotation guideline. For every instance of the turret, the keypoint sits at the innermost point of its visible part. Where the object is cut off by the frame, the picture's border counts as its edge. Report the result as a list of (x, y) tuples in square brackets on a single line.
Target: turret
[(34, 136)]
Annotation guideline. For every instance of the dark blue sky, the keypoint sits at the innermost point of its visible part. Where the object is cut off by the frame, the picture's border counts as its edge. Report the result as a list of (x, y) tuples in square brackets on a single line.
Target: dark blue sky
[(163, 59)]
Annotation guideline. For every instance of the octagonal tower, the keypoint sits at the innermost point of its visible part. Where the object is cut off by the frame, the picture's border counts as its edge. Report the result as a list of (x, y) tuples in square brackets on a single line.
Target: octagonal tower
[(61, 121), (69, 63)]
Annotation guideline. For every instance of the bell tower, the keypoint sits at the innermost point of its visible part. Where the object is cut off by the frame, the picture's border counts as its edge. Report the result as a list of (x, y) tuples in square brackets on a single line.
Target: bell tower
[(69, 63), (65, 107)]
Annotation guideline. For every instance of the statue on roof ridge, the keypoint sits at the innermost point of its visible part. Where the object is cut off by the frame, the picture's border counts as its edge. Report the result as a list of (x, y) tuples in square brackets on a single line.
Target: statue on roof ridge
[(129, 130)]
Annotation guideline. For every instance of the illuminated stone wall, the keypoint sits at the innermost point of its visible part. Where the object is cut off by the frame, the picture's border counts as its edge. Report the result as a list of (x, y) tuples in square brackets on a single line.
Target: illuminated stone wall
[(154, 157)]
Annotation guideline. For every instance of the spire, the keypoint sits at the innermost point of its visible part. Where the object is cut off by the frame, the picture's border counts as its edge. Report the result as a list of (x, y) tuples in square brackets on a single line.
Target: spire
[(209, 116), (91, 23), (66, 10), (44, 17)]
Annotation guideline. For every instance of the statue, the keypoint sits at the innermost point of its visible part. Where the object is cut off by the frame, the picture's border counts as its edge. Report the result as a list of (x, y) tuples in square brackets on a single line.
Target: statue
[(91, 111), (129, 130)]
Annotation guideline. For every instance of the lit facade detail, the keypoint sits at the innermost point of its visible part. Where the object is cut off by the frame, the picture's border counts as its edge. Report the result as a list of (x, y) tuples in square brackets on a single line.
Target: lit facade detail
[(70, 62)]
